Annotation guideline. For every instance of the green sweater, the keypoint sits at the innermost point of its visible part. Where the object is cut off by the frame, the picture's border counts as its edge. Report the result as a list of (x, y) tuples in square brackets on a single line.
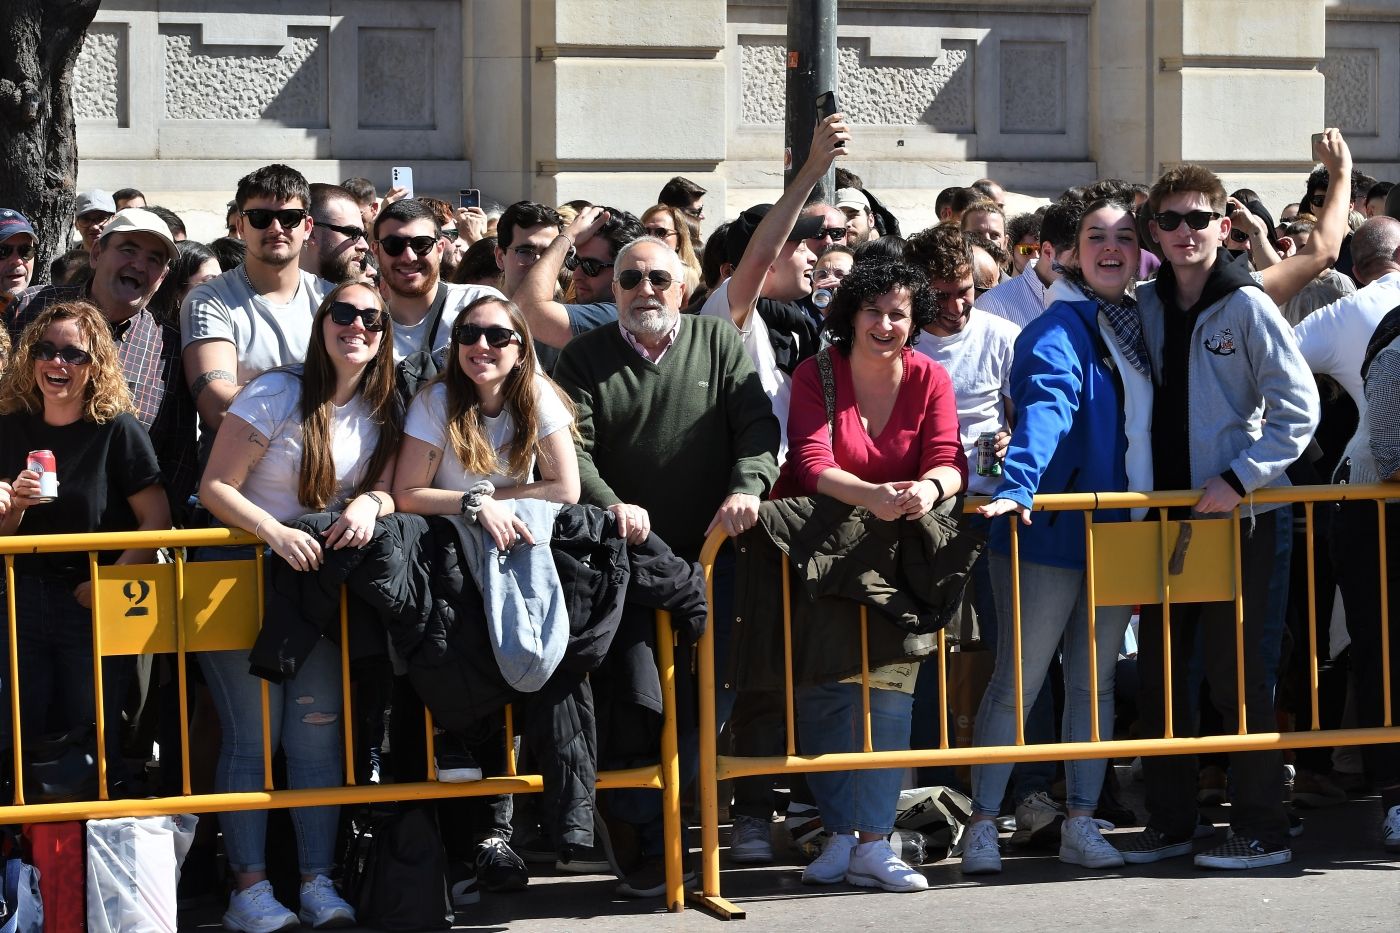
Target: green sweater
[(676, 437)]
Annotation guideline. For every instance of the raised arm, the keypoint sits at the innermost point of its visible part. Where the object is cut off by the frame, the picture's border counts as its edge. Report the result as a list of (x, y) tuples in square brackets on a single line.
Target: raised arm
[(549, 319), (1286, 278)]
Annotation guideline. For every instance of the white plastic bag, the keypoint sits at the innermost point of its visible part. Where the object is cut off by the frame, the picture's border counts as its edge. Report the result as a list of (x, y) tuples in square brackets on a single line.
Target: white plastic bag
[(133, 867)]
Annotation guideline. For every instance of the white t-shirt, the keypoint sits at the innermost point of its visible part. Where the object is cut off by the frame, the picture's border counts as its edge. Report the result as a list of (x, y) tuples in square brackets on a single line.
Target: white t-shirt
[(978, 360), (427, 421), (776, 383), (265, 335), (408, 339), (271, 403)]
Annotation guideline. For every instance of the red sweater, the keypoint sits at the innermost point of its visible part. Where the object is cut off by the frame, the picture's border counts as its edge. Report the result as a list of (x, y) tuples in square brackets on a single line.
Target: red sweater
[(922, 432)]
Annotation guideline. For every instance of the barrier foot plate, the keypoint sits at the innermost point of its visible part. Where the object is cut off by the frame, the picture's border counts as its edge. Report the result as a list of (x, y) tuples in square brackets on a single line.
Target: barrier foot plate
[(724, 910)]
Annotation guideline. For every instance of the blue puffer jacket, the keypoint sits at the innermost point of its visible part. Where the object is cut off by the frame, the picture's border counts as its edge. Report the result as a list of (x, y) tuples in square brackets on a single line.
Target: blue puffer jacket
[(1069, 434)]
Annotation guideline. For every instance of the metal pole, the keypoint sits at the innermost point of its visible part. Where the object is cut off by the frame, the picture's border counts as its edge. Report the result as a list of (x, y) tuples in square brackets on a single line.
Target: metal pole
[(811, 69)]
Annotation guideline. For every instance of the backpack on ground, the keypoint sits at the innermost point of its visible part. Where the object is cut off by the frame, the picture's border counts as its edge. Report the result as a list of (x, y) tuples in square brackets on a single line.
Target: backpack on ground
[(396, 871)]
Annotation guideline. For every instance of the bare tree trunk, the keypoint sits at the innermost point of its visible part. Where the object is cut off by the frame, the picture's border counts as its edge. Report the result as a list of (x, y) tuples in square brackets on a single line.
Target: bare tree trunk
[(38, 145)]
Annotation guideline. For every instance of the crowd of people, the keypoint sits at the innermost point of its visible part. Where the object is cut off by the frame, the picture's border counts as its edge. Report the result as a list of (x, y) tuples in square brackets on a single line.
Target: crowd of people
[(426, 402)]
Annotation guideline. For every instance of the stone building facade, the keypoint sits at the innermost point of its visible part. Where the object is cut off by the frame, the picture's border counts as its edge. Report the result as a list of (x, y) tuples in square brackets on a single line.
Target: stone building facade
[(606, 99)]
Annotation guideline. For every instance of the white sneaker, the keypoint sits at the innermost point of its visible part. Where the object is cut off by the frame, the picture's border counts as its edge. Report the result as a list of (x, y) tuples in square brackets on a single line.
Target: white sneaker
[(874, 865), (1038, 821), (322, 905), (983, 853), (830, 867), (1390, 830), (1082, 843), (256, 910), (751, 841)]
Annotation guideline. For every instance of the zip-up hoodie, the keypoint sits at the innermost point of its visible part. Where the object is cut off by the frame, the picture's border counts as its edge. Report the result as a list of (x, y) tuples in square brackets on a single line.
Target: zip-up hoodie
[(1069, 434), (1250, 401)]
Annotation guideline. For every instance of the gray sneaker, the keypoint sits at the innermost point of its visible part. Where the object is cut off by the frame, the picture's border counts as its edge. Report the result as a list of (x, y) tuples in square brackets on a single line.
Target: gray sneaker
[(982, 856), (1039, 820), (751, 841)]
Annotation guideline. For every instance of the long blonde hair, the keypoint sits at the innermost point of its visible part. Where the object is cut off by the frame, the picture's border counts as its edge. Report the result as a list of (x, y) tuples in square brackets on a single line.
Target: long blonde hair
[(105, 395), (684, 247)]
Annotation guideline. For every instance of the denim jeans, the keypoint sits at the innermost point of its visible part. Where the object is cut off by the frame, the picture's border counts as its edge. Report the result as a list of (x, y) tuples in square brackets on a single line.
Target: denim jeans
[(829, 719), (1054, 616)]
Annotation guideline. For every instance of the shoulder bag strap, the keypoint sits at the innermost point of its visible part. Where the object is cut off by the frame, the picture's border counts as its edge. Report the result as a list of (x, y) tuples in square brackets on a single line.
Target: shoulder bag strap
[(828, 389)]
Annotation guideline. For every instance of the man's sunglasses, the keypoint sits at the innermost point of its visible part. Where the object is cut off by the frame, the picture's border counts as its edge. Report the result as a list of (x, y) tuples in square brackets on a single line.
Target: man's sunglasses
[(350, 233), (697, 212), (261, 217), (1239, 236), (1027, 249), (497, 337), (1196, 220), (25, 251), (74, 356), (395, 245), (344, 314), (830, 233), (1317, 199), (590, 267), (660, 279), (661, 233)]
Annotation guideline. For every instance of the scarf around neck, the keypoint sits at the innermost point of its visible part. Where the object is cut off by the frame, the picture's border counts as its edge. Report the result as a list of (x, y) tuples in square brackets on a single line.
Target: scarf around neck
[(1123, 319)]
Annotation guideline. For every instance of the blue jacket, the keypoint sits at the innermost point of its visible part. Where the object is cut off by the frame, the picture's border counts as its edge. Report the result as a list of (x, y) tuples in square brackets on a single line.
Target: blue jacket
[(1069, 434)]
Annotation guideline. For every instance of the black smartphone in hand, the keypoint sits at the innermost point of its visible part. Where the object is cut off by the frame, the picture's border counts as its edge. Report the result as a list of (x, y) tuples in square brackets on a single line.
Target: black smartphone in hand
[(826, 105)]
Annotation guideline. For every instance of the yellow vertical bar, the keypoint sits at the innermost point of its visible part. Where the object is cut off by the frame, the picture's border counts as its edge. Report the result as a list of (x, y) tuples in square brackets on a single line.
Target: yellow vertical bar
[(942, 689), (1093, 627), (865, 678), (430, 743), (14, 679), (788, 701), (709, 784), (1385, 609), (266, 701), (670, 765), (97, 682), (1239, 622), (1015, 519), (1312, 619), (510, 740), (347, 714), (181, 670), (1164, 555)]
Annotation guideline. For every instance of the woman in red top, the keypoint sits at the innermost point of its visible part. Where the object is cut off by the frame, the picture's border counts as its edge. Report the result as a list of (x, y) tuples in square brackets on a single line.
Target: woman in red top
[(894, 449)]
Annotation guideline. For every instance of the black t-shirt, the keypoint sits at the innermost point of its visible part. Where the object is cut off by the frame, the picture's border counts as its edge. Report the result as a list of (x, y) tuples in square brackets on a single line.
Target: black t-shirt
[(99, 466), (791, 332)]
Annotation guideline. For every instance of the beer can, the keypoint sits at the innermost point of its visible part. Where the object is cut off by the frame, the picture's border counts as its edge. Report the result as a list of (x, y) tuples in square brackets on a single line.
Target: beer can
[(43, 463), (987, 462)]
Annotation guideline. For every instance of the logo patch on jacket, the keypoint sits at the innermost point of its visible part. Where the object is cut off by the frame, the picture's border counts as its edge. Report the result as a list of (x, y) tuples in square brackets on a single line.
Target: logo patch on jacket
[(1221, 344)]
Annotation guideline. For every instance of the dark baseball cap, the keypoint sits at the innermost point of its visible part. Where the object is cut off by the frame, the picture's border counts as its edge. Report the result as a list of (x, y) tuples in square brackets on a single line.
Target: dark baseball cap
[(13, 223), (741, 229)]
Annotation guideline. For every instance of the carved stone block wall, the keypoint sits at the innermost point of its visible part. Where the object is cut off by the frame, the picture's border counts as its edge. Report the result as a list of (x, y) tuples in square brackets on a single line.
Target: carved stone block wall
[(1362, 68)]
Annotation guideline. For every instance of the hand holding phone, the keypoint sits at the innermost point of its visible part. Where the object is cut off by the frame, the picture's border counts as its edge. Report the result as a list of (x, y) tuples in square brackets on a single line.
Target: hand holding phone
[(401, 176), (468, 197), (826, 105)]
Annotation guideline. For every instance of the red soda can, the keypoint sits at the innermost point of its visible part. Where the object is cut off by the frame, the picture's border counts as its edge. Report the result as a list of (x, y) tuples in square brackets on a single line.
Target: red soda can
[(43, 463)]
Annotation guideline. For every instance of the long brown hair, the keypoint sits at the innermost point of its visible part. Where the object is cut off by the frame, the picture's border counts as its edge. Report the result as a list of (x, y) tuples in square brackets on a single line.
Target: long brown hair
[(105, 396), (466, 427), (316, 486), (685, 248)]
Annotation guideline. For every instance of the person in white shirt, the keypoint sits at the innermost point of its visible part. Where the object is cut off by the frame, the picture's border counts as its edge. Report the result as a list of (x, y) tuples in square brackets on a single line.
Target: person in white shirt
[(1022, 298)]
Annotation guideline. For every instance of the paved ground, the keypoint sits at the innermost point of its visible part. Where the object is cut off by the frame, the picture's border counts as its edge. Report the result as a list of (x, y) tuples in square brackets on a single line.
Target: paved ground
[(1339, 879)]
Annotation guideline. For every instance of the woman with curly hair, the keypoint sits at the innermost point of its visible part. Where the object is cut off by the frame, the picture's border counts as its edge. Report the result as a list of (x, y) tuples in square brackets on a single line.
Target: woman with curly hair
[(64, 392), (321, 437)]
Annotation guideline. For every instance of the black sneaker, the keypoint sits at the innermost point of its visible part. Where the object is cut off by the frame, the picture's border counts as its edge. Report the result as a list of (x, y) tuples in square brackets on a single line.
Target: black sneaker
[(1153, 846), (536, 849), (498, 868), (1240, 852), (457, 767), (584, 860), (463, 884), (648, 879)]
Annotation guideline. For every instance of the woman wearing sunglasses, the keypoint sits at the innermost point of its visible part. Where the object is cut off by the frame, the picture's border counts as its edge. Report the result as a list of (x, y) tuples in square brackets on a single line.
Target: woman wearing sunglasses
[(64, 392), (668, 224), (300, 439)]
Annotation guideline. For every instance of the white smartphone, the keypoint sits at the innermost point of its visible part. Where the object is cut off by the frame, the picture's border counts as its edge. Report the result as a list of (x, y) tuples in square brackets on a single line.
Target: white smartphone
[(401, 176)]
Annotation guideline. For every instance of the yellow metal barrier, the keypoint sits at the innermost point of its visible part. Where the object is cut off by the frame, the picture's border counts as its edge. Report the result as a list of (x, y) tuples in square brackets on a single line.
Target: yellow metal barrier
[(1134, 563), (181, 607)]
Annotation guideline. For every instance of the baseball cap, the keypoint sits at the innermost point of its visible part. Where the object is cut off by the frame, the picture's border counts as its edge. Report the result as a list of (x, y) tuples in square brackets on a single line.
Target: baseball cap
[(94, 200), (13, 223), (741, 229), (140, 220), (852, 197)]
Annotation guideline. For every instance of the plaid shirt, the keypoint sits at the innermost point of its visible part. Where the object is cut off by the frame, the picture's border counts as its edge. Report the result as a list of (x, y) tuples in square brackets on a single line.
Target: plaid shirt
[(150, 357)]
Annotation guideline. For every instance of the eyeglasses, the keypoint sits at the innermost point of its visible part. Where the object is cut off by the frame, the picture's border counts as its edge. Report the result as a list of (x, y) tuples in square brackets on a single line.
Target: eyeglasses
[(590, 267), (661, 233), (525, 253), (1239, 236), (449, 234), (344, 314), (660, 279), (497, 337), (395, 245), (1196, 220), (1316, 200), (1027, 249), (830, 233), (697, 212), (261, 217), (74, 356), (821, 274), (25, 251), (350, 233)]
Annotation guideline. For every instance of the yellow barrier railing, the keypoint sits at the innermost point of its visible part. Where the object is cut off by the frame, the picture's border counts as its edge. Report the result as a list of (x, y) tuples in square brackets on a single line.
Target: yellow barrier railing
[(1127, 563), (181, 608)]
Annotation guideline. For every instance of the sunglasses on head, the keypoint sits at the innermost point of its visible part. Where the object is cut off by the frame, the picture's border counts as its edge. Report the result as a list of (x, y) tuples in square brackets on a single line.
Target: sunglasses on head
[(25, 251), (344, 314), (1027, 249), (1196, 220), (350, 233), (830, 233), (590, 267), (395, 245), (660, 279), (261, 217), (661, 233), (73, 356), (497, 337)]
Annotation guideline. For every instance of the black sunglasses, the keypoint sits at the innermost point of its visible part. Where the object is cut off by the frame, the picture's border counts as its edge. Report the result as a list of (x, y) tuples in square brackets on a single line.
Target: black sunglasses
[(497, 337), (697, 212), (288, 217), (73, 356), (1196, 220), (830, 233), (344, 314), (25, 250), (350, 233), (395, 245), (1317, 199), (661, 233), (591, 267), (660, 279), (1239, 236)]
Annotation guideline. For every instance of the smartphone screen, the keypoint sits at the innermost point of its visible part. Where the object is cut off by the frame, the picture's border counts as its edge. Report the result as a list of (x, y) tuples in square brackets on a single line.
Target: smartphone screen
[(468, 197), (402, 177)]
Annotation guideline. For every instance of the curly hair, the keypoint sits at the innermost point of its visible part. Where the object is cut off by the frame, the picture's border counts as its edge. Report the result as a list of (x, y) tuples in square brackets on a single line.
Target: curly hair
[(942, 252), (4, 348), (869, 280), (104, 397)]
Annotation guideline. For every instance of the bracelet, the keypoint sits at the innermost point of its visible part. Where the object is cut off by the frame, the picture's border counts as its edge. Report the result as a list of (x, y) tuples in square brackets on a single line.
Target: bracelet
[(567, 237), (472, 498), (378, 502), (258, 526), (941, 493)]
